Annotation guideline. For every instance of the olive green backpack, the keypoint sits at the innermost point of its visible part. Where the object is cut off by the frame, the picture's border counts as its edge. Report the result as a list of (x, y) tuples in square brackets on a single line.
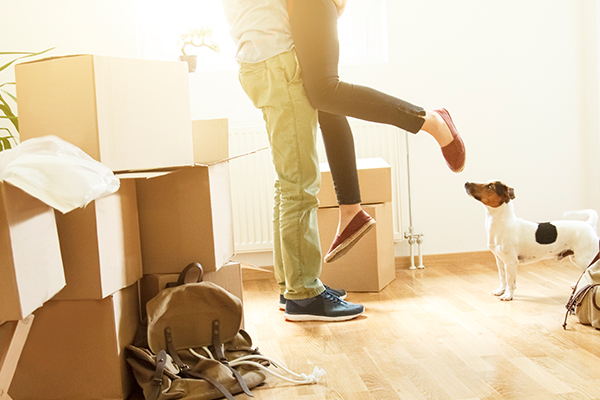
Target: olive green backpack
[(585, 298), (194, 347)]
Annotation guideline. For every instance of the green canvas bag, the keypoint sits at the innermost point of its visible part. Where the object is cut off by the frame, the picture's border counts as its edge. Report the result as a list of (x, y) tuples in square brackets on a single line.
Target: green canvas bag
[(193, 333), (585, 299)]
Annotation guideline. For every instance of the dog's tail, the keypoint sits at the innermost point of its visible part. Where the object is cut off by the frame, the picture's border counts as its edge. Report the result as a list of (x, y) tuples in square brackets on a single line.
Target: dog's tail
[(590, 216)]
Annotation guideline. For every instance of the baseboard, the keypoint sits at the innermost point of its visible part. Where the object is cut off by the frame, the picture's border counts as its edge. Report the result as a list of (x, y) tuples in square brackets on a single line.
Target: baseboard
[(251, 271), (432, 260)]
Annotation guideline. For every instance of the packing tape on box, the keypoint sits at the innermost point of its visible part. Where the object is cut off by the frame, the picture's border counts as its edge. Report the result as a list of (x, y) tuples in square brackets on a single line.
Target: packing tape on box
[(56, 172)]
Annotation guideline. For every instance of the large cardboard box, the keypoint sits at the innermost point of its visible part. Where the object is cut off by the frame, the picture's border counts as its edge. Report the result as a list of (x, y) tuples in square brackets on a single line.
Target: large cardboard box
[(211, 140), (100, 245), (185, 216), (374, 178), (128, 113), (31, 268), (76, 350), (229, 277), (370, 265)]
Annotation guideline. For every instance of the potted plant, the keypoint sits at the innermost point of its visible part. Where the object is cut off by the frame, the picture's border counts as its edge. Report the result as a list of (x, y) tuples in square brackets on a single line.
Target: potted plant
[(196, 37), (7, 138)]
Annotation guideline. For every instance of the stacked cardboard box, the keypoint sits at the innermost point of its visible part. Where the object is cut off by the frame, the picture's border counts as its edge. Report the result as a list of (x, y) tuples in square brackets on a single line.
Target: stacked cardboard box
[(31, 268), (186, 216), (369, 266), (133, 116)]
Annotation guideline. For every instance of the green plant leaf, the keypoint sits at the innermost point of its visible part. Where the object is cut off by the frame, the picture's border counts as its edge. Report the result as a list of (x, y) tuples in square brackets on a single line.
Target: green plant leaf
[(9, 94), (5, 108), (21, 56), (6, 139), (5, 143), (7, 131)]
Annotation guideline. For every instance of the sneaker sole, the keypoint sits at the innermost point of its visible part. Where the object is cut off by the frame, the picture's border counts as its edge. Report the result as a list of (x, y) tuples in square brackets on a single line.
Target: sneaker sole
[(282, 305), (309, 317)]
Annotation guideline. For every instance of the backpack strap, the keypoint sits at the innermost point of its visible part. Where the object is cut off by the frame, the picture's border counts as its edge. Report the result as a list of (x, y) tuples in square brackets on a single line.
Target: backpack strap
[(218, 347), (192, 273), (187, 373), (576, 299), (161, 362)]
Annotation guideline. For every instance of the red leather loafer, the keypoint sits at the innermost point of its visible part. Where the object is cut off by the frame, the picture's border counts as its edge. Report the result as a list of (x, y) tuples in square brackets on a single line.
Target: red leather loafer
[(358, 226), (454, 153)]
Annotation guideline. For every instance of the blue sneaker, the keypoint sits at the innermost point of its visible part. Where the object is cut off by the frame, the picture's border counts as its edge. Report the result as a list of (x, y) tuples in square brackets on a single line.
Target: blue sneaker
[(341, 293), (324, 307)]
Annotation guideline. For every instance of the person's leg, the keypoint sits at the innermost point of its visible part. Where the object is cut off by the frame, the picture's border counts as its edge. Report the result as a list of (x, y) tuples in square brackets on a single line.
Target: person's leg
[(291, 126), (338, 142), (353, 222), (276, 88), (314, 29), (277, 255)]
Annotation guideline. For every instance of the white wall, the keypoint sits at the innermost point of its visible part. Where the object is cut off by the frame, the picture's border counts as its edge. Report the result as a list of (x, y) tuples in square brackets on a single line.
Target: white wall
[(519, 78)]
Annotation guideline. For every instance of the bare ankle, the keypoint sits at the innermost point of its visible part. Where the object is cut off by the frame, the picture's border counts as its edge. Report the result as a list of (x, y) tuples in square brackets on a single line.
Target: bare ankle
[(347, 212), (437, 128)]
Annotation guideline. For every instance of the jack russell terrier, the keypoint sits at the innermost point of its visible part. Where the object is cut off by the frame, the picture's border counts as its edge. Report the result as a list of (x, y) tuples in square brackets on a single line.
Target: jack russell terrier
[(516, 241)]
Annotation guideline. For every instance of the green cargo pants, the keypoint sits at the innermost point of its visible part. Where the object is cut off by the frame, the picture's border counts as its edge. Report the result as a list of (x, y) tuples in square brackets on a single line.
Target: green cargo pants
[(275, 87)]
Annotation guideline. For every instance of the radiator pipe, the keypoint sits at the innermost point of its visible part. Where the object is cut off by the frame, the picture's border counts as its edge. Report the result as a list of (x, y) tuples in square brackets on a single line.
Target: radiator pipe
[(411, 235)]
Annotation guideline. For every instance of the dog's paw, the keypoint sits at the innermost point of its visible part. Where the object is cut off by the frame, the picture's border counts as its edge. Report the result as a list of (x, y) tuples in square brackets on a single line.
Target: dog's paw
[(507, 296), (498, 292)]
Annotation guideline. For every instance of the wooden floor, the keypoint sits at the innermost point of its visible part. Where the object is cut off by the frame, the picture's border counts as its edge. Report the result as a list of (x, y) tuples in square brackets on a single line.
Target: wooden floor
[(436, 333)]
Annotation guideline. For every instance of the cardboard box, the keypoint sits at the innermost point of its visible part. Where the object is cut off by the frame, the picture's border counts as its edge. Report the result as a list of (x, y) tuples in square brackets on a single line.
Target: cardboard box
[(100, 245), (370, 265), (229, 277), (76, 350), (31, 268), (211, 140), (185, 216), (374, 178), (128, 113)]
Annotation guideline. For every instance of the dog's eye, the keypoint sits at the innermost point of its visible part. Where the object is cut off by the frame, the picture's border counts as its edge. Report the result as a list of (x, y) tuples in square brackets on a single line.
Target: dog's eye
[(490, 186)]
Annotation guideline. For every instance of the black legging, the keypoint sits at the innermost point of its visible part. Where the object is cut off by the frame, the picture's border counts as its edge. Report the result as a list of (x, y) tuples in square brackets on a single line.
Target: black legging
[(314, 29)]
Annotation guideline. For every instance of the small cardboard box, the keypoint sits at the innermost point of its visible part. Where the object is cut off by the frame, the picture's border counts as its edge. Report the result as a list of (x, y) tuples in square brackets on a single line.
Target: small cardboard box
[(128, 113), (185, 216), (76, 350), (374, 178), (211, 140), (100, 245), (229, 277), (31, 268), (370, 265)]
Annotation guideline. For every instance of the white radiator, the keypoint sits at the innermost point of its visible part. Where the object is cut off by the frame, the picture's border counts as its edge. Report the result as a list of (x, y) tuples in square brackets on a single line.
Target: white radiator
[(252, 179)]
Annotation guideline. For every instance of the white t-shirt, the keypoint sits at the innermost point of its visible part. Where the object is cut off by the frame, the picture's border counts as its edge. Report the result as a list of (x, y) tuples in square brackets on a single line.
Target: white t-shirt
[(260, 28)]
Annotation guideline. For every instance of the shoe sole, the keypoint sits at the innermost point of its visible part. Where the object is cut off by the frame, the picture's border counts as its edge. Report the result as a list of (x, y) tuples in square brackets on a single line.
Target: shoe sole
[(282, 305), (309, 317), (349, 243), (442, 112)]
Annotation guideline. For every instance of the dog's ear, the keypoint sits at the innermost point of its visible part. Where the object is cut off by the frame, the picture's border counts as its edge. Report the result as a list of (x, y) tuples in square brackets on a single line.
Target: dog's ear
[(511, 193), (505, 193)]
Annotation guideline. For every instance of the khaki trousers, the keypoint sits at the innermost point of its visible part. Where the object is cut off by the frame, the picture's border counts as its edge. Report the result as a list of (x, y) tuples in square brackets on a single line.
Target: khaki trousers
[(275, 87)]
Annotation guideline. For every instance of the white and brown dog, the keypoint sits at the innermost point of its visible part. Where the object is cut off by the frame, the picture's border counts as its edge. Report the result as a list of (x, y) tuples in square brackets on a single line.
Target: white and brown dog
[(516, 241)]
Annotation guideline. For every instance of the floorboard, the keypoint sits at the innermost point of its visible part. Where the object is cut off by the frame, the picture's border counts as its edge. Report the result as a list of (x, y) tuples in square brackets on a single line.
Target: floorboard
[(435, 333)]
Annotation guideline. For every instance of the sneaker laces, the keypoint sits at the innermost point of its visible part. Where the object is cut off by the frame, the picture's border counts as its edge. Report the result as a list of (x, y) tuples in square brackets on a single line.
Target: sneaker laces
[(332, 297)]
